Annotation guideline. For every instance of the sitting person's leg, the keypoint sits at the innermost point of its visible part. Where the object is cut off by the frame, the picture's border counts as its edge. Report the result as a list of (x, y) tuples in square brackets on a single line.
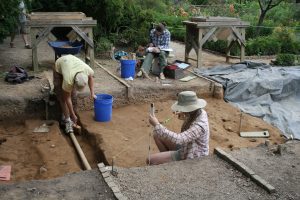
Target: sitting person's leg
[(162, 62), (168, 152), (164, 145), (164, 157), (146, 66)]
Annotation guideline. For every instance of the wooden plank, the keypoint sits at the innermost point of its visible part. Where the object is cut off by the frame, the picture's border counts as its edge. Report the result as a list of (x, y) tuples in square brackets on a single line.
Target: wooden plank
[(207, 35), (222, 24), (43, 34), (210, 80), (189, 23), (238, 35), (83, 36), (214, 19), (57, 13), (57, 16), (64, 23), (109, 72)]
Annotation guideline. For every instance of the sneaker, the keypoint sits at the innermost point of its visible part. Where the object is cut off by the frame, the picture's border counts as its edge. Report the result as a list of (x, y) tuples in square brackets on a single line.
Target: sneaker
[(162, 76), (145, 74), (27, 46), (69, 127), (139, 74)]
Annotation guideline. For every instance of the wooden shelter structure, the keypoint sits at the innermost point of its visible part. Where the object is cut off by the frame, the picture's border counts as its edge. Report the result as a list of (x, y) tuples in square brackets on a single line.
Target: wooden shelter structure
[(41, 24), (202, 29)]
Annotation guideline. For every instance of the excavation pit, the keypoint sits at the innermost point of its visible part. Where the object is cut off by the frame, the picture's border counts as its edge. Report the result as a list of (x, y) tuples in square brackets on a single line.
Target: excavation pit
[(125, 138)]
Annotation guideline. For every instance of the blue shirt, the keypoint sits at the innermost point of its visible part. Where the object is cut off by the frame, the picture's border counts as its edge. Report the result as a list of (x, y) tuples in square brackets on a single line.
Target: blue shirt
[(22, 10), (161, 41)]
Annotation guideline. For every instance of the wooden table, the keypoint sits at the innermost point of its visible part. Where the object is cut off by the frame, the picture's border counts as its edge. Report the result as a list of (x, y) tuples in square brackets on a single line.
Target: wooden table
[(41, 24), (202, 29)]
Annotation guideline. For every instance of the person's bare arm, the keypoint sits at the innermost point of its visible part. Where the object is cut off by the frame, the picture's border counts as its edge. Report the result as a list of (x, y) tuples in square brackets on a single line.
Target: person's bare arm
[(91, 86), (68, 101)]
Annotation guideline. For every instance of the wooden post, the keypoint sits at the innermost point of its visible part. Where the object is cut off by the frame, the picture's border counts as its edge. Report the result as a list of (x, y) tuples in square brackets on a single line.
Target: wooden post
[(34, 45), (229, 46), (188, 45), (91, 49), (243, 45), (199, 50)]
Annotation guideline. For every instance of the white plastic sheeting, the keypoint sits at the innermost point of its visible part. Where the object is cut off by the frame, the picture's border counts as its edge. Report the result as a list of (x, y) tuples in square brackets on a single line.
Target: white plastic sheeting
[(271, 93)]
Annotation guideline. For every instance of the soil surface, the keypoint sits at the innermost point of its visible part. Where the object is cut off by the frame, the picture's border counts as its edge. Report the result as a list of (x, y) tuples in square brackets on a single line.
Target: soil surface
[(125, 138)]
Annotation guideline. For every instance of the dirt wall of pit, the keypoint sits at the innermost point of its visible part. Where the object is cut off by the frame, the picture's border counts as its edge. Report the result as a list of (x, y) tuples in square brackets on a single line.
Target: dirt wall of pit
[(29, 100)]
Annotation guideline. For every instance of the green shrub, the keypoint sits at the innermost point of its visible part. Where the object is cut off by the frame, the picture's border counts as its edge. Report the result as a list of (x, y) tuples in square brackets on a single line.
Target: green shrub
[(9, 13), (218, 46), (266, 45), (285, 59), (288, 40), (103, 44)]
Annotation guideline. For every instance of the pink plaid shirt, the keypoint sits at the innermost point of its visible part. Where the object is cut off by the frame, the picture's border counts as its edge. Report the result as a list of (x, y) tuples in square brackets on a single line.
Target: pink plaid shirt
[(194, 142)]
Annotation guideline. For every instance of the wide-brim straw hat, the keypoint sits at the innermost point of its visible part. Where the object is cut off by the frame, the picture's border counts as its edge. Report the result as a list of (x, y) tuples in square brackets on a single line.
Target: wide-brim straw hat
[(188, 102)]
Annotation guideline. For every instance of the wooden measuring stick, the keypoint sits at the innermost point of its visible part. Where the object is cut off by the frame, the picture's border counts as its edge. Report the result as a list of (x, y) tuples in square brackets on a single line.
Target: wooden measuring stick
[(152, 114)]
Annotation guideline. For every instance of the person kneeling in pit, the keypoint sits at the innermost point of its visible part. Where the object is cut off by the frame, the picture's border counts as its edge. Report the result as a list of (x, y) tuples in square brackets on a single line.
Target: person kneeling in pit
[(70, 74), (192, 142)]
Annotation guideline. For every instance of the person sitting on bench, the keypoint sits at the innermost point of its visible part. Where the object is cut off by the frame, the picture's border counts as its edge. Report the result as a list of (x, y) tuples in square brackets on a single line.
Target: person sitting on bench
[(159, 40)]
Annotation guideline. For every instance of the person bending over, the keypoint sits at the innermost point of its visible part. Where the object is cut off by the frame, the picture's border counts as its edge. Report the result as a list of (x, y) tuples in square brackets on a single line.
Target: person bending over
[(70, 74), (159, 40), (192, 142)]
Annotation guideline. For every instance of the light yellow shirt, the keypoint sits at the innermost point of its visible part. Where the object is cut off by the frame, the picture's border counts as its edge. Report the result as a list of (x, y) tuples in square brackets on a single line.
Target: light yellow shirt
[(68, 66)]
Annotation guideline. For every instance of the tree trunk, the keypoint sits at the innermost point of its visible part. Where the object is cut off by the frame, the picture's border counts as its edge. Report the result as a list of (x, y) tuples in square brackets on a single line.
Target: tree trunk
[(260, 21)]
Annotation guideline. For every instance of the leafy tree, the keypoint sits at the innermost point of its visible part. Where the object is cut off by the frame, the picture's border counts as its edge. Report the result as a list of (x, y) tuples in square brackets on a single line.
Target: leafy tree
[(9, 13), (265, 6)]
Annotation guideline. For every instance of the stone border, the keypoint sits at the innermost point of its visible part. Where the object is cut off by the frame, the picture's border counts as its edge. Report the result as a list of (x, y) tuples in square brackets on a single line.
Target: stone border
[(105, 172), (245, 170)]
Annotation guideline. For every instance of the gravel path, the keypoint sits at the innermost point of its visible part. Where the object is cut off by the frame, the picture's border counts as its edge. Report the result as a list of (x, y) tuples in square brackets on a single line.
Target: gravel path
[(207, 178), (83, 185)]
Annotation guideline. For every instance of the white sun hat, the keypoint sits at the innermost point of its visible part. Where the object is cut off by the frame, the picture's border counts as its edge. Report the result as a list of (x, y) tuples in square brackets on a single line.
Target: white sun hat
[(81, 80), (188, 102)]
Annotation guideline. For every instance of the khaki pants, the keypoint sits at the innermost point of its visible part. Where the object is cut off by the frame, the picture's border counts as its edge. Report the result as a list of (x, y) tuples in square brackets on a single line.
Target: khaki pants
[(162, 60), (57, 82)]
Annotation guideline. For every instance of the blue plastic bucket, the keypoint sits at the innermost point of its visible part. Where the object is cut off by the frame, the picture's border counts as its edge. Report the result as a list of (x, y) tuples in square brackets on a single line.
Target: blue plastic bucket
[(103, 107), (128, 68)]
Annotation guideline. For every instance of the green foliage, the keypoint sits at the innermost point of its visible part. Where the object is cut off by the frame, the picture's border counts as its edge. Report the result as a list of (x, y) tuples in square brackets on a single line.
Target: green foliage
[(285, 59), (155, 5), (103, 44), (218, 46), (174, 24), (199, 2), (9, 13), (265, 45), (288, 40), (127, 22)]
